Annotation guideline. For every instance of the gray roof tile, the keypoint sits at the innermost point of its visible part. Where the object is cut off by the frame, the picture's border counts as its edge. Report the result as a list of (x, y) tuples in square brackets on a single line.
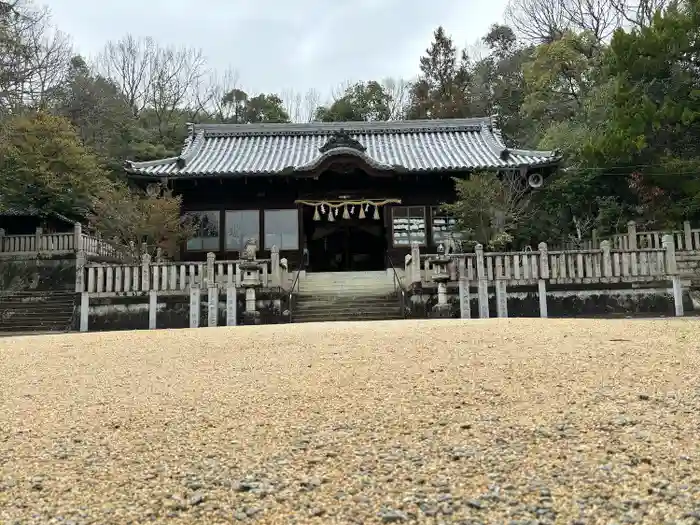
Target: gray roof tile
[(407, 146)]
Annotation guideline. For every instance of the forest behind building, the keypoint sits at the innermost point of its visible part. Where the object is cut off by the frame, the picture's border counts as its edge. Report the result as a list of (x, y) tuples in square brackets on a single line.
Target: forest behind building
[(613, 85)]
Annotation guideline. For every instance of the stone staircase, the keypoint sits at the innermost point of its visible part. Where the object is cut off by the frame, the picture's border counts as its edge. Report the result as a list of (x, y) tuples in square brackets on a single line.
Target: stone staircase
[(689, 267), (346, 296), (27, 312)]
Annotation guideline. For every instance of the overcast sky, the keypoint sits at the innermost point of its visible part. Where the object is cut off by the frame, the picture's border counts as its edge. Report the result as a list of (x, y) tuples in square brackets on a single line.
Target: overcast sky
[(278, 45)]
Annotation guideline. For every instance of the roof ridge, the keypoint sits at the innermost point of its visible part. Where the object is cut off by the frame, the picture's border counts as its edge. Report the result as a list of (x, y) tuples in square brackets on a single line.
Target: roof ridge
[(324, 128)]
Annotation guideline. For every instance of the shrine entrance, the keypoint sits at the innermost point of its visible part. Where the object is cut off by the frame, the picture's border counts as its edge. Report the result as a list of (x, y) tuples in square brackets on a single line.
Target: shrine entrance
[(350, 241)]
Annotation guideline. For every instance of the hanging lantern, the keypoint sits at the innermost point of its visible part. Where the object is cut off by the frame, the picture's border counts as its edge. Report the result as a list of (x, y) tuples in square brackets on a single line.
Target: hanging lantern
[(346, 214), (317, 216), (375, 216), (331, 217), (362, 213)]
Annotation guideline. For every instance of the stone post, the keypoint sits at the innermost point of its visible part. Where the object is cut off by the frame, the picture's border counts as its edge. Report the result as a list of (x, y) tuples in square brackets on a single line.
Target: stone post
[(84, 311), (2, 239), (80, 261), (145, 272), (542, 278), (631, 235), (210, 277), (194, 304), (501, 290), (159, 255), (594, 239), (152, 309), (482, 282), (672, 272), (78, 237), (275, 266), (37, 239), (415, 263), (607, 258), (231, 306), (464, 299), (688, 236), (250, 301), (212, 305)]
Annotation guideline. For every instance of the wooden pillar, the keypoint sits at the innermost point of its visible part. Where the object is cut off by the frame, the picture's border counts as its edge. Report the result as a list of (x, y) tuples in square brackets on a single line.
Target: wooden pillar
[(501, 290), (152, 309), (212, 305), (194, 305), (672, 272), (464, 299), (542, 278), (483, 283), (84, 311), (231, 306)]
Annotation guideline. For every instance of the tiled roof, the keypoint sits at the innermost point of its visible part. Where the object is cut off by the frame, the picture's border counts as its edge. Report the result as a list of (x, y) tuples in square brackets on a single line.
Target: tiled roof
[(12, 211), (402, 146)]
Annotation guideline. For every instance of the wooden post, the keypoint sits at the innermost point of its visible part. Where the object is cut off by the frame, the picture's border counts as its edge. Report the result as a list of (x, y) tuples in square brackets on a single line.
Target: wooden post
[(607, 258), (275, 266), (688, 236), (542, 278), (78, 237), (231, 306), (84, 311), (2, 239), (631, 235), (464, 299), (415, 263), (152, 309), (145, 272), (80, 261), (672, 272), (501, 290), (37, 239), (194, 305), (212, 305), (482, 282)]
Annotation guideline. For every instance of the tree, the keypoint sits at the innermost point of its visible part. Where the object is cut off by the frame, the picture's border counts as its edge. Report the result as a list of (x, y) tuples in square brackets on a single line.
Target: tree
[(442, 89), (301, 108), (363, 101), (44, 166), (152, 217), (489, 208), (265, 108), (100, 113), (33, 57)]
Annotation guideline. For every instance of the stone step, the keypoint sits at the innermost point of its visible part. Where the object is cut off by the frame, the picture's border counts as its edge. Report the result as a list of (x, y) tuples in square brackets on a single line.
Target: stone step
[(344, 317), (36, 311)]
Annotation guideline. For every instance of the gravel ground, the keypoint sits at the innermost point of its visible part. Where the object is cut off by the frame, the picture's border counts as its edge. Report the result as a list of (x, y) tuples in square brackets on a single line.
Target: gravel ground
[(519, 421)]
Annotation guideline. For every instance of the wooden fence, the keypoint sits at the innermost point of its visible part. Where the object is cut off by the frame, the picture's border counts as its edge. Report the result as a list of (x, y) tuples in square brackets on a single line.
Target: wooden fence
[(544, 268)]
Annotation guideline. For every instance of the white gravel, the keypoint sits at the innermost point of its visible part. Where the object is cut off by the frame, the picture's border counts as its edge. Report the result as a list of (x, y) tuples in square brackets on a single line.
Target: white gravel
[(472, 422)]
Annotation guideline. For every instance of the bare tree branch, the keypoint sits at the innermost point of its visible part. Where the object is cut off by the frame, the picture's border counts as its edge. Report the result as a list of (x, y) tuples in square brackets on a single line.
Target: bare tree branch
[(399, 92)]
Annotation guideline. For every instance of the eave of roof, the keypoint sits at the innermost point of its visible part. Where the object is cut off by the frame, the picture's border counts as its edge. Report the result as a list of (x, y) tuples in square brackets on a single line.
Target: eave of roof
[(415, 146)]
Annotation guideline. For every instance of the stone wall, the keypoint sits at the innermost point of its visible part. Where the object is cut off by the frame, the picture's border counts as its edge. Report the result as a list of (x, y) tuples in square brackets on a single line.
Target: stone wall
[(560, 303), (37, 274), (131, 313)]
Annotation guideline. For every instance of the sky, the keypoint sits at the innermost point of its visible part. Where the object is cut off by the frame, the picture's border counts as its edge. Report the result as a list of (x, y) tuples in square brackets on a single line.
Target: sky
[(280, 45)]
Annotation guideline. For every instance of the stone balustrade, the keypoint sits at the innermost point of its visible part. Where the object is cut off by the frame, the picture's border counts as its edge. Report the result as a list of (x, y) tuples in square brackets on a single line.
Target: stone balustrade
[(543, 268)]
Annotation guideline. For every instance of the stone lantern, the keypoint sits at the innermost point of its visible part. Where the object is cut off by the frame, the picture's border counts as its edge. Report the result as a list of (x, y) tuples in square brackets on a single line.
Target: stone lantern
[(441, 275), (251, 278)]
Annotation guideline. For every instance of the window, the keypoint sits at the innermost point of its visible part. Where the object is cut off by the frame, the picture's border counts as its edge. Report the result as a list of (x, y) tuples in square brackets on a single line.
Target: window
[(408, 225), (282, 229), (241, 225), (206, 235), (443, 226)]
